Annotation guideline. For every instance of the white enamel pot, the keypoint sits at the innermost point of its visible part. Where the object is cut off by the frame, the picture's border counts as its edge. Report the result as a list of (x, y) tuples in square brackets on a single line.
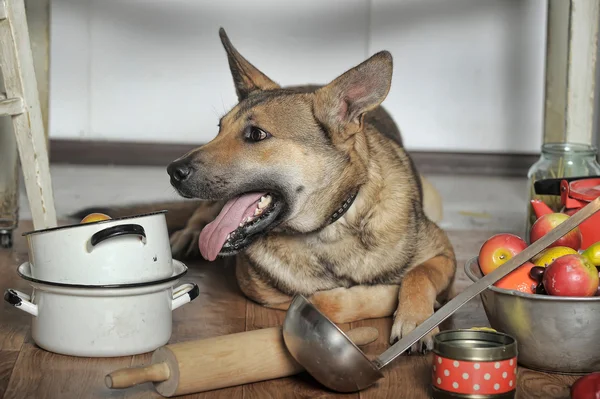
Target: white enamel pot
[(116, 251), (102, 321)]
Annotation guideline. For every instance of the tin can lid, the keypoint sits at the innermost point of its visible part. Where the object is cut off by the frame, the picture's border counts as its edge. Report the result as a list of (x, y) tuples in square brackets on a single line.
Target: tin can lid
[(475, 345)]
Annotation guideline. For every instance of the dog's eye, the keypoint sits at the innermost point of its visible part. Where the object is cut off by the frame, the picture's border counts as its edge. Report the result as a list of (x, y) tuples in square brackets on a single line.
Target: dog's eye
[(255, 134)]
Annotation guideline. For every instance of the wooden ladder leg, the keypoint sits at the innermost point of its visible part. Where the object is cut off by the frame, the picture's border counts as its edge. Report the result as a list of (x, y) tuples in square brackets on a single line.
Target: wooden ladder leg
[(22, 103), (9, 182)]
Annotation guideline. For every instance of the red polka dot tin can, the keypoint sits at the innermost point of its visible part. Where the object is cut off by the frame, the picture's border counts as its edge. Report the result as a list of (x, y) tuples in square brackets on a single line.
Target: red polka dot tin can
[(474, 364)]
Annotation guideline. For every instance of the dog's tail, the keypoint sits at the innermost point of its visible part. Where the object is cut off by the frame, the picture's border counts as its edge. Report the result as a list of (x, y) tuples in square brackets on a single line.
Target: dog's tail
[(432, 201), (178, 212)]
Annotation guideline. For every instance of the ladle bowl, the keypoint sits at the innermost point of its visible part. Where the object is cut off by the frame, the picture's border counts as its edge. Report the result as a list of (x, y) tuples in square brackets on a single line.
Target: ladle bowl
[(325, 350)]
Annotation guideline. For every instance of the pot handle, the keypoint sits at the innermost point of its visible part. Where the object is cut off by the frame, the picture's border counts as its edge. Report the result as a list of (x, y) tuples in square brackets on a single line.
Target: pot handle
[(183, 294), (115, 231), (21, 301)]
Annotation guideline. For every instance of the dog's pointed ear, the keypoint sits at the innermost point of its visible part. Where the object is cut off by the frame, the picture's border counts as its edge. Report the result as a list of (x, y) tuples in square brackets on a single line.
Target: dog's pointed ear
[(246, 77), (344, 101)]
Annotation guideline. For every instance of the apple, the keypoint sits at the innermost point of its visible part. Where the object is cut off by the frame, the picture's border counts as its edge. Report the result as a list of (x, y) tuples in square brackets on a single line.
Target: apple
[(549, 221), (586, 387), (549, 255), (498, 249), (593, 253), (571, 275)]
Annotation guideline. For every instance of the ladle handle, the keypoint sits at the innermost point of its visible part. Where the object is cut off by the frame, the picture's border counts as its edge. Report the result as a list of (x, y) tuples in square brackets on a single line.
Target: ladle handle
[(450, 307)]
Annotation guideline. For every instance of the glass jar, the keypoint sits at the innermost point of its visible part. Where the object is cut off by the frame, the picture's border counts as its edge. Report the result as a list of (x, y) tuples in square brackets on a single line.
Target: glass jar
[(559, 160)]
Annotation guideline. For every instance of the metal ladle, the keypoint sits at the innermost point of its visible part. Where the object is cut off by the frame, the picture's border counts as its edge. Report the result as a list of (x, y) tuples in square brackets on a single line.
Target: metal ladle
[(332, 358)]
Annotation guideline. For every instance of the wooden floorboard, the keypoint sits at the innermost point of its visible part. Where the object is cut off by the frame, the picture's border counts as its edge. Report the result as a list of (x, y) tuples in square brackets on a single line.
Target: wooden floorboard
[(27, 371), (7, 364), (43, 375)]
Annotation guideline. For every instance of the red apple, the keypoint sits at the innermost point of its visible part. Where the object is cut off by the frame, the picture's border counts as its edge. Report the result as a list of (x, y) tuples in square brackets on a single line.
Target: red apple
[(586, 387), (549, 221), (571, 275), (499, 249)]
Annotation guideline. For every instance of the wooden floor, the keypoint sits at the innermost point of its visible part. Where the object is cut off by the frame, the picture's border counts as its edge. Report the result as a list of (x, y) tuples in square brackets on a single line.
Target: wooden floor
[(27, 372)]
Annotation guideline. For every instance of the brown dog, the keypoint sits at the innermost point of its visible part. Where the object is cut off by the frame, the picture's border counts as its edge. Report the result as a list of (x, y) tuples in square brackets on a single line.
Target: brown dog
[(311, 189)]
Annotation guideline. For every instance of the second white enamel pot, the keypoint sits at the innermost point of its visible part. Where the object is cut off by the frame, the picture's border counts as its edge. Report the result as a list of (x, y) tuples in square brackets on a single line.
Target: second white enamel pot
[(116, 251)]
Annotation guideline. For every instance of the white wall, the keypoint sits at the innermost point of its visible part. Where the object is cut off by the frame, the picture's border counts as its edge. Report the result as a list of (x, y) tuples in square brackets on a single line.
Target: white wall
[(468, 74)]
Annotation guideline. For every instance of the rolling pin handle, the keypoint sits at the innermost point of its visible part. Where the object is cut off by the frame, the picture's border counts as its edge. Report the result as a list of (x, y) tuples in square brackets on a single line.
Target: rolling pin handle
[(129, 377)]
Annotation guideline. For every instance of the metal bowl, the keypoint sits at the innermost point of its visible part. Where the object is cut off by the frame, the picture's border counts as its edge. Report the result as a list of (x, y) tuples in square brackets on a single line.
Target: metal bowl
[(554, 334)]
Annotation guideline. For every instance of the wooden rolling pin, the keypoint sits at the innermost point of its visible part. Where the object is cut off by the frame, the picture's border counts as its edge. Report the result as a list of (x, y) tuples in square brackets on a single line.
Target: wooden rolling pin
[(220, 362)]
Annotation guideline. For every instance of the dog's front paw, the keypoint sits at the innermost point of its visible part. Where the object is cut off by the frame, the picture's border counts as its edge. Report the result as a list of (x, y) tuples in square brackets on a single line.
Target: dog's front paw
[(405, 323), (184, 243)]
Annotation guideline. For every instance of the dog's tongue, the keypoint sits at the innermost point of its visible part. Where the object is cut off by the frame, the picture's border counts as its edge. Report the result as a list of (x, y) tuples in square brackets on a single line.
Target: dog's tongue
[(214, 235)]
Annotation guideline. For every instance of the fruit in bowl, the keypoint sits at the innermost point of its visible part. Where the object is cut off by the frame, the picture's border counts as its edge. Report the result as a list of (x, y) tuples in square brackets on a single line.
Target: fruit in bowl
[(593, 253), (497, 250), (571, 275), (558, 270), (519, 279), (549, 255), (549, 221)]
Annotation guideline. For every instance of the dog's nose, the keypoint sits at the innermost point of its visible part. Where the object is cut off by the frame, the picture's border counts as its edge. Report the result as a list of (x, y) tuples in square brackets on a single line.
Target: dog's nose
[(179, 171)]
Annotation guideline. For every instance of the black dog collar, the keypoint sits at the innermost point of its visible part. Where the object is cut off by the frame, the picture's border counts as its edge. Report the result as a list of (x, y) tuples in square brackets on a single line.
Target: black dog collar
[(345, 206)]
